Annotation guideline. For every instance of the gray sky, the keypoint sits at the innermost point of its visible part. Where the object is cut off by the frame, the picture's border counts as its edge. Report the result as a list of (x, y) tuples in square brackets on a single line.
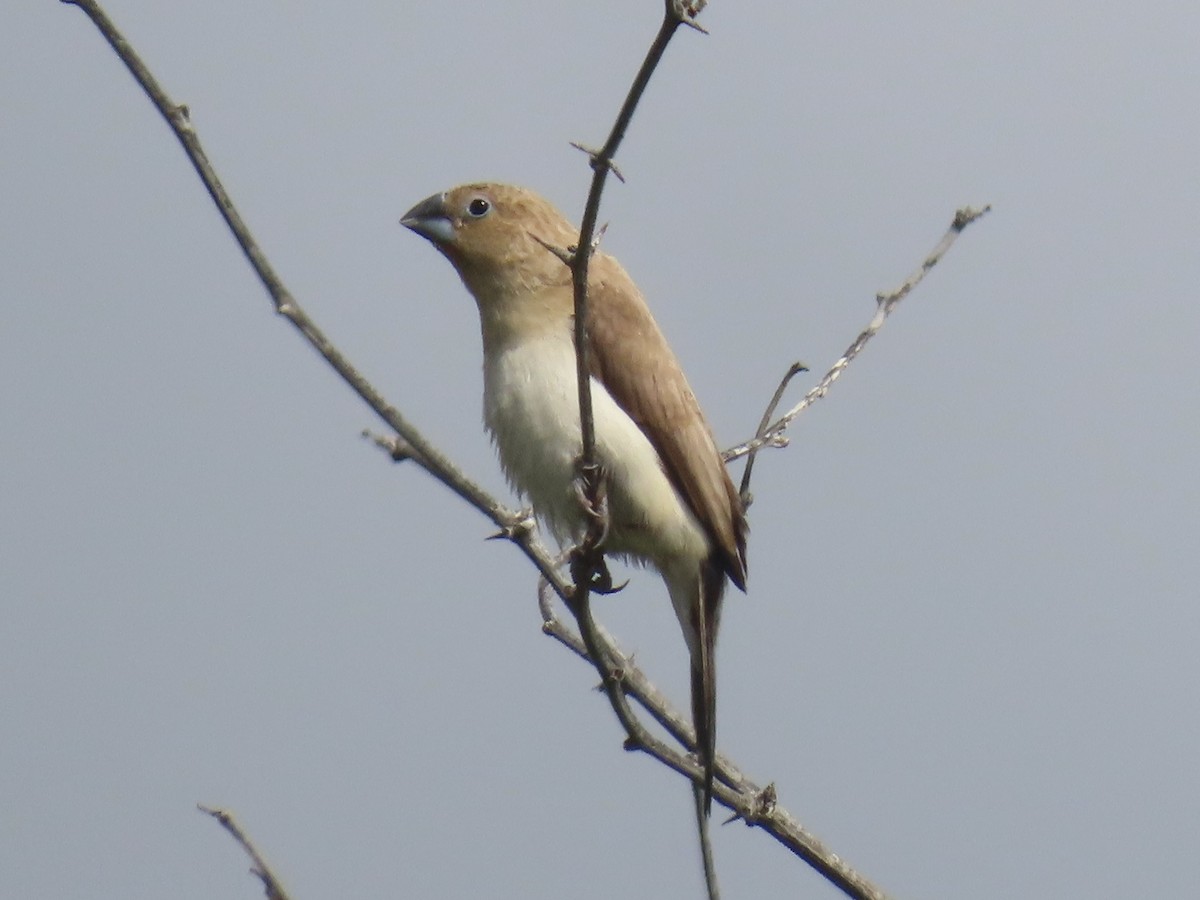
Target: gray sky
[(968, 657)]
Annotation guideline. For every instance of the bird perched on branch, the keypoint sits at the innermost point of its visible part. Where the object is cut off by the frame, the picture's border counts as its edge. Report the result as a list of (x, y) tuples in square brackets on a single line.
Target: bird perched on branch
[(670, 502)]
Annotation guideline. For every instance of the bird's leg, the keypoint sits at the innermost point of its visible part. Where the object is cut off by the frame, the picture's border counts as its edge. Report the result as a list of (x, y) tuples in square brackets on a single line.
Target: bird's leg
[(591, 488), (587, 558)]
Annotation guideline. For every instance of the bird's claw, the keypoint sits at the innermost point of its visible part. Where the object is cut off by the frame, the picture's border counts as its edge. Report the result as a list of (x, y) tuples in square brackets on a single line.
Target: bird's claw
[(587, 568), (591, 491)]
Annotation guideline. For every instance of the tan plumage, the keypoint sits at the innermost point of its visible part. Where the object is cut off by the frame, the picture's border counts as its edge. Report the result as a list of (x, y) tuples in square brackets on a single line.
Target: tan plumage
[(671, 502)]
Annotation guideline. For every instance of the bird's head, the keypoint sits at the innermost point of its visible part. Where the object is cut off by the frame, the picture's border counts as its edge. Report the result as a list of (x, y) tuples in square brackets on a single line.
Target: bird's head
[(492, 234)]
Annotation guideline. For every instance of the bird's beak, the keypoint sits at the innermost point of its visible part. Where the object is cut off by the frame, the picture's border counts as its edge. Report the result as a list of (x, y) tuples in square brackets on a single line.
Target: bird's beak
[(431, 220)]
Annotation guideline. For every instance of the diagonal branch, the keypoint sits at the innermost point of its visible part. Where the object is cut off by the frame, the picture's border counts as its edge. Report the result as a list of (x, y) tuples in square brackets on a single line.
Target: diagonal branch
[(753, 804), (177, 116), (271, 884), (772, 435), (750, 802)]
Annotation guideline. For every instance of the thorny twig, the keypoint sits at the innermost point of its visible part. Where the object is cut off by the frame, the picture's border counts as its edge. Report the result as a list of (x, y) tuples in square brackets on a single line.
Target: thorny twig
[(755, 805)]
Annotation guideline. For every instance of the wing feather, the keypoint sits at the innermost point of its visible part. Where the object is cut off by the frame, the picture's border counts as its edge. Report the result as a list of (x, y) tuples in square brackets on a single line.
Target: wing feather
[(631, 358)]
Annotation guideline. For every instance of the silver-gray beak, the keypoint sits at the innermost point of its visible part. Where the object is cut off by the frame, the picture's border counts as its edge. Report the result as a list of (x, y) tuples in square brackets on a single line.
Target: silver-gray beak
[(431, 220)]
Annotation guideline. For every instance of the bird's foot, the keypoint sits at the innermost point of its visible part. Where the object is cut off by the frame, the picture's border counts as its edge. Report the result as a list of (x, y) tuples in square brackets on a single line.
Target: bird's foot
[(589, 568), (591, 489)]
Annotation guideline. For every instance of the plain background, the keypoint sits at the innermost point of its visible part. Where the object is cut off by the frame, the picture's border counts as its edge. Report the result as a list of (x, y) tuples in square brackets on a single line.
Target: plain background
[(968, 659)]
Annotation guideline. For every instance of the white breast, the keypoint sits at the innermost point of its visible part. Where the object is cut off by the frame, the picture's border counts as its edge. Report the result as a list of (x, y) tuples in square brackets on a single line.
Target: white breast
[(531, 408)]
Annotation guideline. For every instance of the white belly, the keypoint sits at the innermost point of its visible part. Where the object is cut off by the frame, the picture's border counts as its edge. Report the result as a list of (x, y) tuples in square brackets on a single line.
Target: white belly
[(531, 408)]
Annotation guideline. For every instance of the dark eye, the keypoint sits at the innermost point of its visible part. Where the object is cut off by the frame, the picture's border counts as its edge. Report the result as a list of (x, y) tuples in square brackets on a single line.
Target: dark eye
[(478, 207)]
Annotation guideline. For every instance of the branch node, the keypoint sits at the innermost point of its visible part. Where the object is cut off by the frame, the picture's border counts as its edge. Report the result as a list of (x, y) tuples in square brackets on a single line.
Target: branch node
[(517, 527), (599, 236), (764, 805), (685, 12), (597, 160), (969, 214), (392, 444), (566, 257)]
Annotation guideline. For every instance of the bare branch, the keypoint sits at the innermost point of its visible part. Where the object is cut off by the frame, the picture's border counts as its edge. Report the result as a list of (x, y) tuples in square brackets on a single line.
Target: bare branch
[(588, 563), (886, 303), (757, 806), (590, 556), (415, 446), (754, 805), (271, 886)]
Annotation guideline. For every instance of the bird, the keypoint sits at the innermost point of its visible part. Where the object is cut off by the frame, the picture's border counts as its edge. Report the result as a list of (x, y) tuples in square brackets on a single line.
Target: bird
[(670, 502)]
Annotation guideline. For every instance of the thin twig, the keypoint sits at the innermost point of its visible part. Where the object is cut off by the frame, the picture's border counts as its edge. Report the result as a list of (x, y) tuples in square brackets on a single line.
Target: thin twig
[(885, 304), (602, 162), (793, 370), (422, 451), (589, 561), (271, 886)]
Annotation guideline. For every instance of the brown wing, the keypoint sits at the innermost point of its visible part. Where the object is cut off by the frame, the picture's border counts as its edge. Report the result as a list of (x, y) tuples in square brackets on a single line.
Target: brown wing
[(630, 356)]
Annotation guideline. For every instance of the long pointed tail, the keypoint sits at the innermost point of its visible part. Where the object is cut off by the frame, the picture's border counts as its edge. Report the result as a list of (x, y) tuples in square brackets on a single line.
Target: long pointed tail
[(704, 674), (704, 719)]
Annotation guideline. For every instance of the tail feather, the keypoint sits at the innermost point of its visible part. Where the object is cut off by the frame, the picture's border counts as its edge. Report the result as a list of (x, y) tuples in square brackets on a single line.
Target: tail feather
[(704, 719), (704, 673)]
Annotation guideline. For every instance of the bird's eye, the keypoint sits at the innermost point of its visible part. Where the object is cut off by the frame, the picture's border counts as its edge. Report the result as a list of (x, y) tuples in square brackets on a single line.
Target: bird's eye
[(478, 207)]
